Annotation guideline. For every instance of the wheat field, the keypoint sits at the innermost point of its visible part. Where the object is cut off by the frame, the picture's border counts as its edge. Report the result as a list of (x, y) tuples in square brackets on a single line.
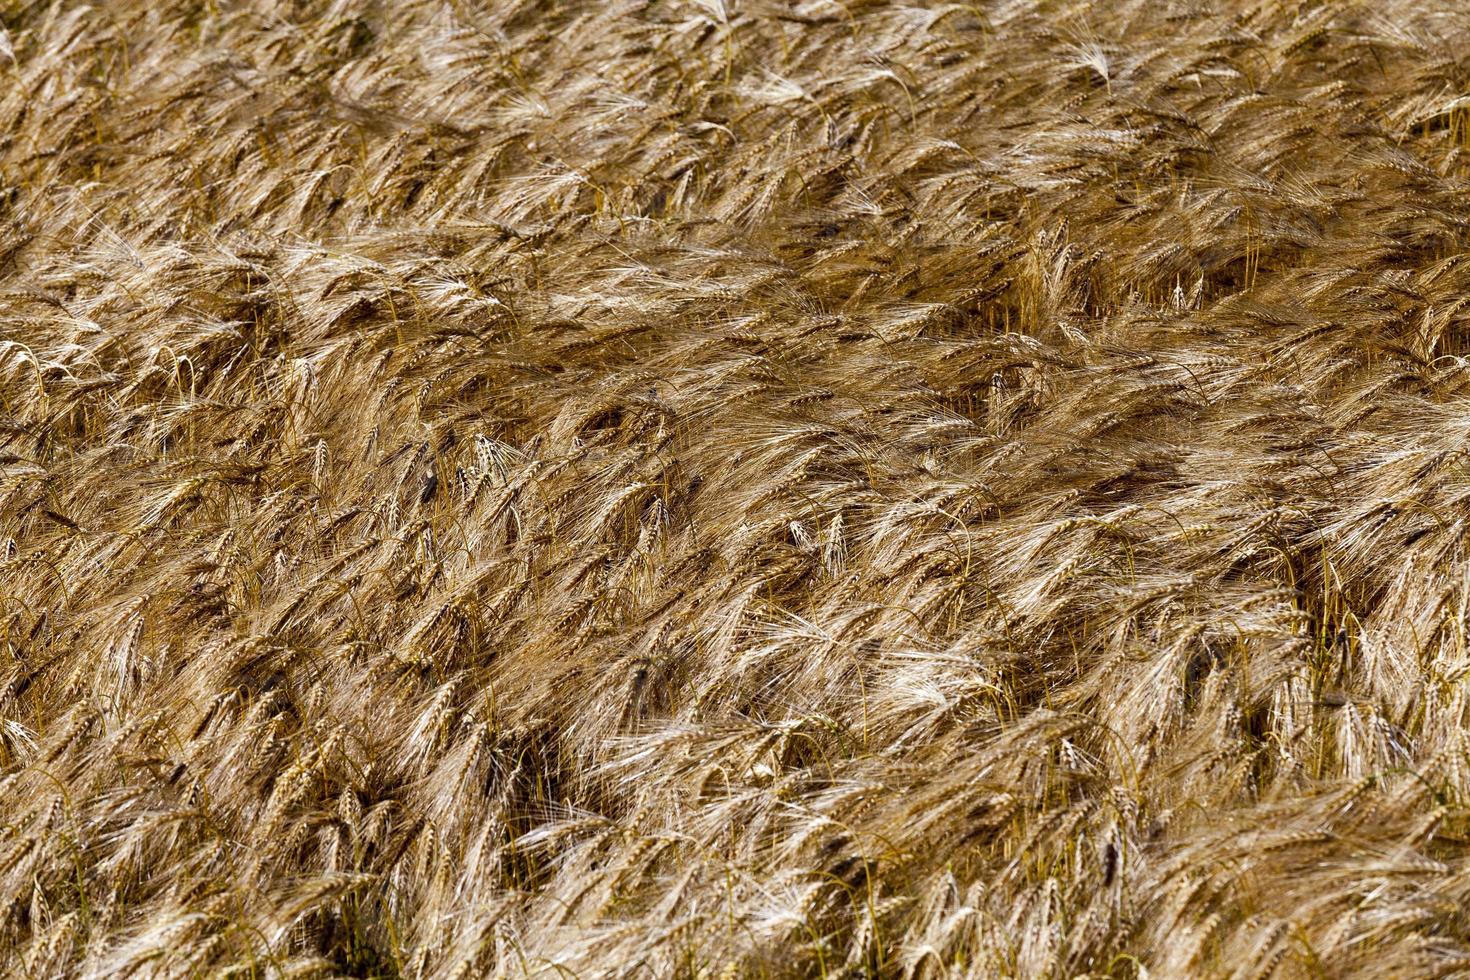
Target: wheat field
[(712, 489)]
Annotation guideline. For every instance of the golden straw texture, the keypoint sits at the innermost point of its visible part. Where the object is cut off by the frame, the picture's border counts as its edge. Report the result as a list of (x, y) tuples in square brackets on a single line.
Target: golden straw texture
[(718, 489)]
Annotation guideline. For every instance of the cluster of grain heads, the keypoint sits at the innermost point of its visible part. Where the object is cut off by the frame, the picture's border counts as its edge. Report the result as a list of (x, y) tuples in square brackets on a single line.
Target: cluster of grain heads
[(733, 489)]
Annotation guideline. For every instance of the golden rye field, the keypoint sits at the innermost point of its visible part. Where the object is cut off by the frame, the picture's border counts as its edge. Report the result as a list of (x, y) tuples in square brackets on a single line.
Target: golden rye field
[(734, 489)]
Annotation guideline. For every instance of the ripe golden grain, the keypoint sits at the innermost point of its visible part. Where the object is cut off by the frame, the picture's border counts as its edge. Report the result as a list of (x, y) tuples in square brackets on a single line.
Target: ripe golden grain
[(727, 488)]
